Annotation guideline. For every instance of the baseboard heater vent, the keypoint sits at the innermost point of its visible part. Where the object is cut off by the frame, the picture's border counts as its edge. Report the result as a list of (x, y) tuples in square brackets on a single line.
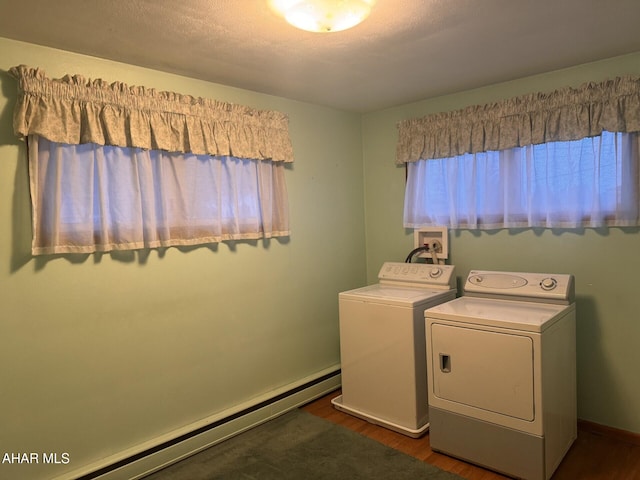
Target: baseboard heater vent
[(160, 456)]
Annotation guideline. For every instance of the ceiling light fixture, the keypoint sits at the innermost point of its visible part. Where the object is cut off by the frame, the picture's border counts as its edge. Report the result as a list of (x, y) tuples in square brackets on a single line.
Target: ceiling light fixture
[(323, 15)]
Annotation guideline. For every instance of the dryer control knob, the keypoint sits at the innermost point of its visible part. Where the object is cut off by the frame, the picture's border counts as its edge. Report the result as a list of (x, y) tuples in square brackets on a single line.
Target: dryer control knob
[(548, 283), (435, 272)]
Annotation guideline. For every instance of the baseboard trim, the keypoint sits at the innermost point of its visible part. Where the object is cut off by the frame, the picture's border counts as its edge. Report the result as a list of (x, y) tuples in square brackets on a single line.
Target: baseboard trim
[(610, 432), (171, 448)]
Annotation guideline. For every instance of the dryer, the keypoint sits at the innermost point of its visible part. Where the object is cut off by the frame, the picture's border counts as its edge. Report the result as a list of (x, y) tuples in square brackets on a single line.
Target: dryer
[(501, 364), (382, 345)]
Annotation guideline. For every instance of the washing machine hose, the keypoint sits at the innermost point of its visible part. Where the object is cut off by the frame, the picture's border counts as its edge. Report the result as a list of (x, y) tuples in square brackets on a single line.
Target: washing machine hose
[(415, 251)]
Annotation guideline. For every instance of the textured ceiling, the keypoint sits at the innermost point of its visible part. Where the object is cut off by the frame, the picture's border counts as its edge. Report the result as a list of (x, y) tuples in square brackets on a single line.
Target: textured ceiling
[(405, 51)]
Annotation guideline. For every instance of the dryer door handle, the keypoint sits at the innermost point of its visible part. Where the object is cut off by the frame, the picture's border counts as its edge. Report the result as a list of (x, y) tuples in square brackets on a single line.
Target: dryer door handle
[(445, 363)]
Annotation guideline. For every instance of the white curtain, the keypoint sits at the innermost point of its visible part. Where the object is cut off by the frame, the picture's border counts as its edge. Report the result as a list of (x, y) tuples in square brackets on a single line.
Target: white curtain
[(127, 167), (89, 198), (591, 182)]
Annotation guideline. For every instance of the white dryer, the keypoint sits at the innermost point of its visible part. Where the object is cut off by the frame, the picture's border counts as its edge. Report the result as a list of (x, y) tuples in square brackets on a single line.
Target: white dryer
[(501, 365), (382, 345)]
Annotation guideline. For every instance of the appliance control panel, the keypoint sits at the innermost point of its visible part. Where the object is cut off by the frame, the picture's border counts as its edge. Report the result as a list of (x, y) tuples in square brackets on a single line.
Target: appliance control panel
[(543, 287), (420, 274)]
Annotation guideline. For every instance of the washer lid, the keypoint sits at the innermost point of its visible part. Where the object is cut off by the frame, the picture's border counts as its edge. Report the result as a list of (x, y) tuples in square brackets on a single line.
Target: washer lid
[(393, 295), (528, 316)]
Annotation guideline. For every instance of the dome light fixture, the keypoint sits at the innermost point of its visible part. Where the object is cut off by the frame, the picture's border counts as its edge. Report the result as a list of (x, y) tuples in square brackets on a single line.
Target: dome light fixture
[(323, 15)]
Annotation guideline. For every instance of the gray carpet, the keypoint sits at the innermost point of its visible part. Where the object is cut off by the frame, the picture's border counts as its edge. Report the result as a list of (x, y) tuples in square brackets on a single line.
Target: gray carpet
[(299, 446)]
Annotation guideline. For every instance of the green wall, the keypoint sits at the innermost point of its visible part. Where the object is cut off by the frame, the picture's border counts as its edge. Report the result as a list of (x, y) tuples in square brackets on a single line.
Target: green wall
[(100, 353), (605, 262)]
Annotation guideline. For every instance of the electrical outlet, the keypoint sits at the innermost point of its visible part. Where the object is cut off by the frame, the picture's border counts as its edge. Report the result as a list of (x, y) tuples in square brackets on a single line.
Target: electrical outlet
[(430, 236)]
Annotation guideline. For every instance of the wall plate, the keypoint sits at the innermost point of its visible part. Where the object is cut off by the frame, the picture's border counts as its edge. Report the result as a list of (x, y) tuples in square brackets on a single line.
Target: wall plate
[(427, 235)]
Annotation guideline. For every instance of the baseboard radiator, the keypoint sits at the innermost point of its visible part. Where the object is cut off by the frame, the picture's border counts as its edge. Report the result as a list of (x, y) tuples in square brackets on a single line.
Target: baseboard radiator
[(171, 448)]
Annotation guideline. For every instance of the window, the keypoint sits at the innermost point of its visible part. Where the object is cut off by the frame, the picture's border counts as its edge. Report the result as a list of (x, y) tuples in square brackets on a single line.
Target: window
[(114, 167), (590, 182), (90, 198), (567, 158)]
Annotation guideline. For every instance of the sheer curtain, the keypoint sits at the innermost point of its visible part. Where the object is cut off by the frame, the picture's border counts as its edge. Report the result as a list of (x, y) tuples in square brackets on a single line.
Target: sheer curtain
[(585, 183), (568, 159), (90, 198), (114, 167)]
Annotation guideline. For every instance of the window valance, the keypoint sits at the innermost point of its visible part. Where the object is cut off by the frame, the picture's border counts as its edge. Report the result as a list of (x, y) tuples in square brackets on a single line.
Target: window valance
[(75, 110), (562, 115)]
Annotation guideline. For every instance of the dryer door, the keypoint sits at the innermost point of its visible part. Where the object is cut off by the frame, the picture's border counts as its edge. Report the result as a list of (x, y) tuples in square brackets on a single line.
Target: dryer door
[(483, 369)]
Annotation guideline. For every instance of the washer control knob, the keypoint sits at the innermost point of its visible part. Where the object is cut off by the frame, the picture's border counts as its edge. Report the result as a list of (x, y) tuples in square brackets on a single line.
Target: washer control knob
[(548, 283), (435, 272)]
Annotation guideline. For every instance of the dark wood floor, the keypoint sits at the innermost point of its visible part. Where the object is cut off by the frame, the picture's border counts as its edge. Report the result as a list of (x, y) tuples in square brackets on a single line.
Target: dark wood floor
[(595, 455)]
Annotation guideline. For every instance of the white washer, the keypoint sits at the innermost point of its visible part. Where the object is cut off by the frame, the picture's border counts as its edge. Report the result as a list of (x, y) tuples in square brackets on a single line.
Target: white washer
[(502, 372), (382, 345)]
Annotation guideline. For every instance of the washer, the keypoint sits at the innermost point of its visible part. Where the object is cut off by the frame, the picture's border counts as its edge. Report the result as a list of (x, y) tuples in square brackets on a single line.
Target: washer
[(382, 345), (502, 372)]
